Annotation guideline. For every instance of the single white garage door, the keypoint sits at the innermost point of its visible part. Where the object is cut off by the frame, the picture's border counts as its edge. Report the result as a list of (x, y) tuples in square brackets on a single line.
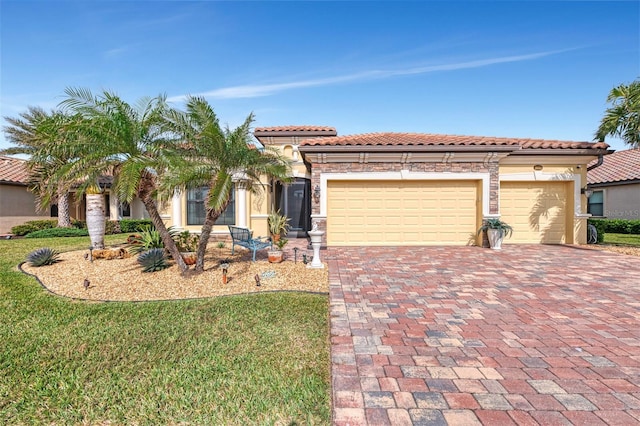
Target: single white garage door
[(401, 212), (537, 211)]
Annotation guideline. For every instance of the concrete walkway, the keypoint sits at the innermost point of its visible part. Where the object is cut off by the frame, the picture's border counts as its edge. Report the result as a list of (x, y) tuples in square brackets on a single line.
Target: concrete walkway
[(466, 336)]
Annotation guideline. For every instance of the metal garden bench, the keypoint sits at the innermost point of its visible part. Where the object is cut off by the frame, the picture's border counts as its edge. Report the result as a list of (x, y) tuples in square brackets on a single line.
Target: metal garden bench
[(244, 237)]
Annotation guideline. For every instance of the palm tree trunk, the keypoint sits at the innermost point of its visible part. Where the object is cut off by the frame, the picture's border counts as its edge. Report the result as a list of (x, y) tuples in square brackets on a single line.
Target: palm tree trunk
[(169, 244), (205, 233), (64, 218), (96, 219)]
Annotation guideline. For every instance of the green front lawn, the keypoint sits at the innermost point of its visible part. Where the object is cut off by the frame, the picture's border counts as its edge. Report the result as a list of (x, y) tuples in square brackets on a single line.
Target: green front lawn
[(622, 239), (255, 359)]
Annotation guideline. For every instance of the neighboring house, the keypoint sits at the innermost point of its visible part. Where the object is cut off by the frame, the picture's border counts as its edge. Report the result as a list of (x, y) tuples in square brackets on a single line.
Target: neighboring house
[(413, 189), (616, 186), (18, 204)]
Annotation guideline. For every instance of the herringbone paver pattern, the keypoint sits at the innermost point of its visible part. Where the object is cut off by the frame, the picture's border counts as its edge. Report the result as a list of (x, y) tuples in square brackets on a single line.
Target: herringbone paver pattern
[(464, 335)]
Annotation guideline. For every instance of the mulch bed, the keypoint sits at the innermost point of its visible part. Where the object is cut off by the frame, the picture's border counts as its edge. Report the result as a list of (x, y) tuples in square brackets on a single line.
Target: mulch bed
[(123, 279)]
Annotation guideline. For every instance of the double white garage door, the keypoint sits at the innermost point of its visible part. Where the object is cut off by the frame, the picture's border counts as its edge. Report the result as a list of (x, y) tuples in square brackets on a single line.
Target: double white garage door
[(388, 213)]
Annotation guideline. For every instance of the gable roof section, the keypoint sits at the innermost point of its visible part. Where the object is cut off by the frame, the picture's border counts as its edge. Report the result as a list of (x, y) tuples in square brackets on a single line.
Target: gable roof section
[(621, 166), (437, 142), (13, 171)]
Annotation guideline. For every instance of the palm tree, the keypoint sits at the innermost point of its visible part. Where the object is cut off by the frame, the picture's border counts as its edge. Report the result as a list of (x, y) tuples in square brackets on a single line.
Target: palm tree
[(217, 157), (36, 133), (126, 142), (622, 119)]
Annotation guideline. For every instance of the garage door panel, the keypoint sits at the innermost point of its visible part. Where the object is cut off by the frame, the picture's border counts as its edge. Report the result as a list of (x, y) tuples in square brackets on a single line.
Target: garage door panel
[(400, 213), (537, 211)]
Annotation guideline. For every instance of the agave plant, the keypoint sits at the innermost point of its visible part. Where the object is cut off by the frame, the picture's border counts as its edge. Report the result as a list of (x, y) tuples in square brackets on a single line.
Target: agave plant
[(148, 238), (153, 260), (43, 256)]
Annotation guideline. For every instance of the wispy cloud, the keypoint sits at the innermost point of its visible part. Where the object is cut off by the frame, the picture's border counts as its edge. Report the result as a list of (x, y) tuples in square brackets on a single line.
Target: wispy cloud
[(254, 91), (115, 52)]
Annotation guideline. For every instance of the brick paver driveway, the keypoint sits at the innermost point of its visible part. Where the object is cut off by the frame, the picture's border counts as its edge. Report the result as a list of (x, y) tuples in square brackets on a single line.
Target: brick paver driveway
[(465, 335)]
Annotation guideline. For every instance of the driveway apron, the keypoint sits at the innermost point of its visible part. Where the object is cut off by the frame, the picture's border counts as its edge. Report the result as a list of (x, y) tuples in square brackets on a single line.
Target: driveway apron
[(528, 335)]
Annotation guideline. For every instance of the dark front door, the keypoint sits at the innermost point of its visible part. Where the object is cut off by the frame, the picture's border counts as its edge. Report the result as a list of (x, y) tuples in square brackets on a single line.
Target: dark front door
[(294, 201)]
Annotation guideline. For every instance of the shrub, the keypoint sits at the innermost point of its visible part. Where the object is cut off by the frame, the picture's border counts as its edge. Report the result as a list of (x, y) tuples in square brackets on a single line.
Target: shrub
[(112, 227), (58, 232), (153, 260), (187, 242), (80, 224), (617, 226), (33, 225), (134, 225), (43, 256)]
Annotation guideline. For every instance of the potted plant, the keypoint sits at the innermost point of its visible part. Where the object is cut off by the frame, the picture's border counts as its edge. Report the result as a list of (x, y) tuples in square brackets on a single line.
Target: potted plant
[(496, 231), (188, 246), (277, 255), (278, 225)]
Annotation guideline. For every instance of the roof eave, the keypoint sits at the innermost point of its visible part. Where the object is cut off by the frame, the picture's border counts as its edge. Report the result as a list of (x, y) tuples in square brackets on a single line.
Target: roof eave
[(407, 148), (563, 151)]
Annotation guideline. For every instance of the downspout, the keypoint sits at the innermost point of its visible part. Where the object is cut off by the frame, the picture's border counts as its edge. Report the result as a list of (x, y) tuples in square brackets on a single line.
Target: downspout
[(598, 163)]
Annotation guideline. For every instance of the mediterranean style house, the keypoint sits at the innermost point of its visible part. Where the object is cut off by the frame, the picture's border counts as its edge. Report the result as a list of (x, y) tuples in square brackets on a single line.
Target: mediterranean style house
[(615, 186), (412, 189), (405, 189)]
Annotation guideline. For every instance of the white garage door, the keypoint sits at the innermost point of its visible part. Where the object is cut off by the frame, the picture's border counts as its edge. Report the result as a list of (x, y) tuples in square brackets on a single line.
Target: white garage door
[(537, 211), (402, 212)]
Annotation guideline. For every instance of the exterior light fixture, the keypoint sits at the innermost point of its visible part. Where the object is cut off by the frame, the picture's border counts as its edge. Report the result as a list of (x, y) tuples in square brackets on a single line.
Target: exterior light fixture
[(316, 194), (586, 191), (538, 167)]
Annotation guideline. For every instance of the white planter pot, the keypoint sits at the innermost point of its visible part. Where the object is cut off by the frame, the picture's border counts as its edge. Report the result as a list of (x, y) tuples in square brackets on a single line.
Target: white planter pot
[(495, 237)]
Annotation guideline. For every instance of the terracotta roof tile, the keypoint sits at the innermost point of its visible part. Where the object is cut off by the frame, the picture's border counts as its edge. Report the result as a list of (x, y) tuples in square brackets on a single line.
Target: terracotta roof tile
[(617, 167), (421, 139), (302, 128), (13, 170)]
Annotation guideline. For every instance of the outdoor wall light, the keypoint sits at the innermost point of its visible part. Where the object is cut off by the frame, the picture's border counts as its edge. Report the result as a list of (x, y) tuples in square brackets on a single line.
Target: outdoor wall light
[(538, 167), (586, 191), (316, 194)]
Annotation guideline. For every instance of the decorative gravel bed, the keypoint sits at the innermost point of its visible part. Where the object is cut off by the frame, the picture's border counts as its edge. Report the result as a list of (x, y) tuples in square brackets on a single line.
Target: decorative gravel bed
[(633, 251), (123, 279)]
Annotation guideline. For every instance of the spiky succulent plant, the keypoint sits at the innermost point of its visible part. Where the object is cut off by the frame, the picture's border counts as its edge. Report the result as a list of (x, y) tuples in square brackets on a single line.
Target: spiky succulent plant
[(43, 256), (153, 260)]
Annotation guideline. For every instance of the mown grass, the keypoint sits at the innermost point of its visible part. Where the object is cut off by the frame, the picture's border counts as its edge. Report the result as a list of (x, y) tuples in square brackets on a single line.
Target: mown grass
[(255, 359), (622, 239)]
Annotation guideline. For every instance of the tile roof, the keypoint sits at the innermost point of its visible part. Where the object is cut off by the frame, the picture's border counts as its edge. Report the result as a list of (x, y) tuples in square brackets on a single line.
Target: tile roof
[(302, 128), (617, 167), (421, 139), (13, 170)]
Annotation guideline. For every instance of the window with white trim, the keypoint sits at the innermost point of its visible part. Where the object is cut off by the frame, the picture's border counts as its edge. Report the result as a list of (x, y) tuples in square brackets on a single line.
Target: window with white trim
[(595, 204), (196, 210)]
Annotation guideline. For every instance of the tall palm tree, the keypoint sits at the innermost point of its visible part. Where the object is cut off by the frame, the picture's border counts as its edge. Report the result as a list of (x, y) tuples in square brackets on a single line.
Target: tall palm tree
[(217, 157), (127, 142), (622, 119), (36, 133)]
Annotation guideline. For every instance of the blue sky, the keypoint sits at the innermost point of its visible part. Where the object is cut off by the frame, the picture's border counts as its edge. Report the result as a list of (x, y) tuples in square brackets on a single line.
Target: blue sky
[(516, 69)]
